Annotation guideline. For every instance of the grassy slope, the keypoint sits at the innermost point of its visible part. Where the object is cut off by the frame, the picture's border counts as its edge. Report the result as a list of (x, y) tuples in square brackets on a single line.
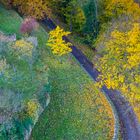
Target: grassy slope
[(69, 115), (9, 22), (76, 110)]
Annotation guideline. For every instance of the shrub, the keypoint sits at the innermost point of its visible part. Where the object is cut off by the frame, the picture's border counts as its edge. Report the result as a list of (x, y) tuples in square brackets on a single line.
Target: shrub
[(28, 25), (31, 108), (23, 48), (10, 103)]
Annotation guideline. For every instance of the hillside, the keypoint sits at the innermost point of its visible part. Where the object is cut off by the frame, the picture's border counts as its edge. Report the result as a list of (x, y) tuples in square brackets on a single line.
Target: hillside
[(69, 69), (77, 108)]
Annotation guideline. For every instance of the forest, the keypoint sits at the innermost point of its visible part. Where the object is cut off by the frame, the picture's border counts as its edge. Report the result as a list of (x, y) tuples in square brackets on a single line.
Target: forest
[(69, 69)]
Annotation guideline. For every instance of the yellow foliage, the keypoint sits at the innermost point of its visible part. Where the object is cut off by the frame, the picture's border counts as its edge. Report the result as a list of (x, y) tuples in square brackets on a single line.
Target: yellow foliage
[(23, 47), (56, 42), (31, 108), (119, 66), (116, 8), (3, 65), (34, 8)]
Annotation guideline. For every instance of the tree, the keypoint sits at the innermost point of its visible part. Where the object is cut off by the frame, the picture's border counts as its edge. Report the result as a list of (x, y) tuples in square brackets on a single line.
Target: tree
[(34, 8), (114, 8), (58, 7), (58, 45), (120, 61), (75, 16)]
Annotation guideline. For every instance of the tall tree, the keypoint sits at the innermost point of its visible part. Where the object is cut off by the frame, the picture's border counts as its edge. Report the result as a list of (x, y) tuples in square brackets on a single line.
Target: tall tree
[(91, 14), (75, 16)]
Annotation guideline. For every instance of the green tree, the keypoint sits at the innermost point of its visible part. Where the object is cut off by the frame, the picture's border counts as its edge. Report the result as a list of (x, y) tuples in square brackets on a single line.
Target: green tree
[(75, 16), (91, 13)]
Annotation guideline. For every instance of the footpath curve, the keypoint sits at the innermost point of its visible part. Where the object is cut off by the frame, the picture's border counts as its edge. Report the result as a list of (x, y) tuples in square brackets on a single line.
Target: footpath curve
[(129, 124)]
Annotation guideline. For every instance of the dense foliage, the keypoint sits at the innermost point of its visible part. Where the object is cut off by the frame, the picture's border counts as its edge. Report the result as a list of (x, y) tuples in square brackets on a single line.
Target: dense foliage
[(116, 8), (34, 8), (120, 61), (118, 48), (56, 42)]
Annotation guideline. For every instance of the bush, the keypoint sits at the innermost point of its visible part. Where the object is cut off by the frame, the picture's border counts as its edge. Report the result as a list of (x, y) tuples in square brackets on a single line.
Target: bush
[(23, 48), (28, 25), (31, 108)]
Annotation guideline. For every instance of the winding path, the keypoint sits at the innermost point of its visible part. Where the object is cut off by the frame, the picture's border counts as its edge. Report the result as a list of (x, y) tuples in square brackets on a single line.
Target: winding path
[(129, 125)]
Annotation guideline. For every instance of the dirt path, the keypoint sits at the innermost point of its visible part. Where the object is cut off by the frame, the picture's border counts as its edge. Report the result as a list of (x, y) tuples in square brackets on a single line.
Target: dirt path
[(130, 127)]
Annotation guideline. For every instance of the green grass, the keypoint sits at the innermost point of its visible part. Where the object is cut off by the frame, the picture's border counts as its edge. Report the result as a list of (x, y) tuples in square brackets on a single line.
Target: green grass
[(10, 22), (74, 111), (77, 110)]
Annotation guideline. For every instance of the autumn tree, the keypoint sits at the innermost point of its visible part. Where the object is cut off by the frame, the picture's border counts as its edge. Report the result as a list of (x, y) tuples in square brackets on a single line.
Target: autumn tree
[(110, 9), (119, 63), (58, 45), (34, 8)]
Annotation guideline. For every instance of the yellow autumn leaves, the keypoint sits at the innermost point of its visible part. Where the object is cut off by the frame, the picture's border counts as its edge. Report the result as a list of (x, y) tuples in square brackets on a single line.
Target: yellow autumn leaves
[(58, 45), (116, 8), (126, 45), (34, 8), (120, 63), (23, 47), (31, 108)]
